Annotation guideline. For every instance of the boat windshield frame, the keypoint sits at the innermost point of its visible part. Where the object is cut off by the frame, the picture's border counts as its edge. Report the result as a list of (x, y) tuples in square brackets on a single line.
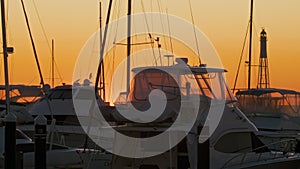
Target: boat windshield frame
[(195, 74)]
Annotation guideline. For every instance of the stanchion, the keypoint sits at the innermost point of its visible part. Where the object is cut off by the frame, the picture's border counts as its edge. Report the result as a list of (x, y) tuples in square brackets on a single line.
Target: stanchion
[(10, 141), (40, 148)]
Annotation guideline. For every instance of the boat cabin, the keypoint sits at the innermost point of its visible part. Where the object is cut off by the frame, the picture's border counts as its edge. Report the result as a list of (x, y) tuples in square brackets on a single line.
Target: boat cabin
[(177, 81)]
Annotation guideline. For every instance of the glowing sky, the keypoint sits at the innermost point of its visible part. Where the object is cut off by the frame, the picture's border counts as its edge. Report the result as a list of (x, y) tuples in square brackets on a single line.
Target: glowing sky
[(72, 22)]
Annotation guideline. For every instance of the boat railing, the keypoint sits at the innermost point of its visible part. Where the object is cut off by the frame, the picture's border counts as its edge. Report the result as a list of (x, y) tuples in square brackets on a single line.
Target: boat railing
[(260, 154)]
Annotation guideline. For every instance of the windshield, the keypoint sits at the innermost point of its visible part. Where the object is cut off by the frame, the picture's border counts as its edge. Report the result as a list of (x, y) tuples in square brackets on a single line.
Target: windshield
[(60, 94), (211, 85), (271, 103)]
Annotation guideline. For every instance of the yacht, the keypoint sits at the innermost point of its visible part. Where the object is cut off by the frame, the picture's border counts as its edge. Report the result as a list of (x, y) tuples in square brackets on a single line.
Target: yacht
[(63, 126), (275, 112), (233, 144)]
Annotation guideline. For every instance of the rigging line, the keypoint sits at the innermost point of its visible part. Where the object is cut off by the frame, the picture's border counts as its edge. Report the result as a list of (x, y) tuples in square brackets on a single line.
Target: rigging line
[(151, 10), (135, 44), (41, 24), (170, 38), (90, 54), (116, 31), (37, 60), (30, 81), (255, 42), (59, 74), (241, 57), (45, 35), (148, 29), (161, 20), (8, 35), (11, 68), (7, 16), (33, 45), (250, 46), (50, 68), (194, 28), (100, 44)]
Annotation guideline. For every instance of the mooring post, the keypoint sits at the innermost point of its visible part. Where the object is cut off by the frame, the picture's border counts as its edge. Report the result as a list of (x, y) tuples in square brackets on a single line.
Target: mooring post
[(40, 148), (10, 141)]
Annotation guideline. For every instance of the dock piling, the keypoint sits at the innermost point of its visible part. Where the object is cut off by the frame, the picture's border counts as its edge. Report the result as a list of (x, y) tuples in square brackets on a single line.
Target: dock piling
[(40, 147), (10, 141)]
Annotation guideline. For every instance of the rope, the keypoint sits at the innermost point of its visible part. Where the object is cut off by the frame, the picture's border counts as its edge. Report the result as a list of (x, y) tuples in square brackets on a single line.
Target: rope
[(170, 38), (241, 57), (194, 28), (46, 37), (148, 29)]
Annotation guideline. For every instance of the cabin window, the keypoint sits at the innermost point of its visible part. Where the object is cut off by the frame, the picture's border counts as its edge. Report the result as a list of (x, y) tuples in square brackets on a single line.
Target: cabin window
[(148, 80), (61, 94), (213, 85)]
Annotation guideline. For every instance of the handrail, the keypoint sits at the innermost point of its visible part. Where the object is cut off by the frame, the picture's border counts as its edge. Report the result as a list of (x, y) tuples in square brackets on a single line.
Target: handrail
[(260, 154)]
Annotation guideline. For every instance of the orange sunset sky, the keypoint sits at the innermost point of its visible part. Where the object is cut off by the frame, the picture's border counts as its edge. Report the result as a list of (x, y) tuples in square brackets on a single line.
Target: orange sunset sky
[(72, 22)]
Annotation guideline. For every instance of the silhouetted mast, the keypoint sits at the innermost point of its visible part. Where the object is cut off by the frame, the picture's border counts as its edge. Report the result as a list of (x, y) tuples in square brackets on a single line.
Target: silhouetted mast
[(250, 46), (102, 65), (263, 74), (52, 64), (5, 55), (128, 46), (103, 42), (33, 46)]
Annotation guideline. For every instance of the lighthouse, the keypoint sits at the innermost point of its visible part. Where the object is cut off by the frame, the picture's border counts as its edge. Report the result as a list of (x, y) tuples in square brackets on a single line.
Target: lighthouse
[(263, 74)]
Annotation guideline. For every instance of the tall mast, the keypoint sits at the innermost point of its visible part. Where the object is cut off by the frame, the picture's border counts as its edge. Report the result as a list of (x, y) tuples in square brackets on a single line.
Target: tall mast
[(100, 66), (5, 55), (33, 45), (52, 64), (10, 118), (100, 23), (100, 39), (250, 46), (128, 46)]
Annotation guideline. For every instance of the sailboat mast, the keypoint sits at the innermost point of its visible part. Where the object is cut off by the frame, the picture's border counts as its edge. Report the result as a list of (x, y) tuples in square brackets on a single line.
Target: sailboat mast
[(100, 23), (100, 39), (250, 46), (10, 119), (52, 64), (33, 45), (5, 55), (128, 46), (103, 41)]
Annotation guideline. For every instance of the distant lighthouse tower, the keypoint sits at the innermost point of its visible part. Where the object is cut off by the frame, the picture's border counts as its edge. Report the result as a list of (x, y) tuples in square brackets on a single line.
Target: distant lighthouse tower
[(263, 74)]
